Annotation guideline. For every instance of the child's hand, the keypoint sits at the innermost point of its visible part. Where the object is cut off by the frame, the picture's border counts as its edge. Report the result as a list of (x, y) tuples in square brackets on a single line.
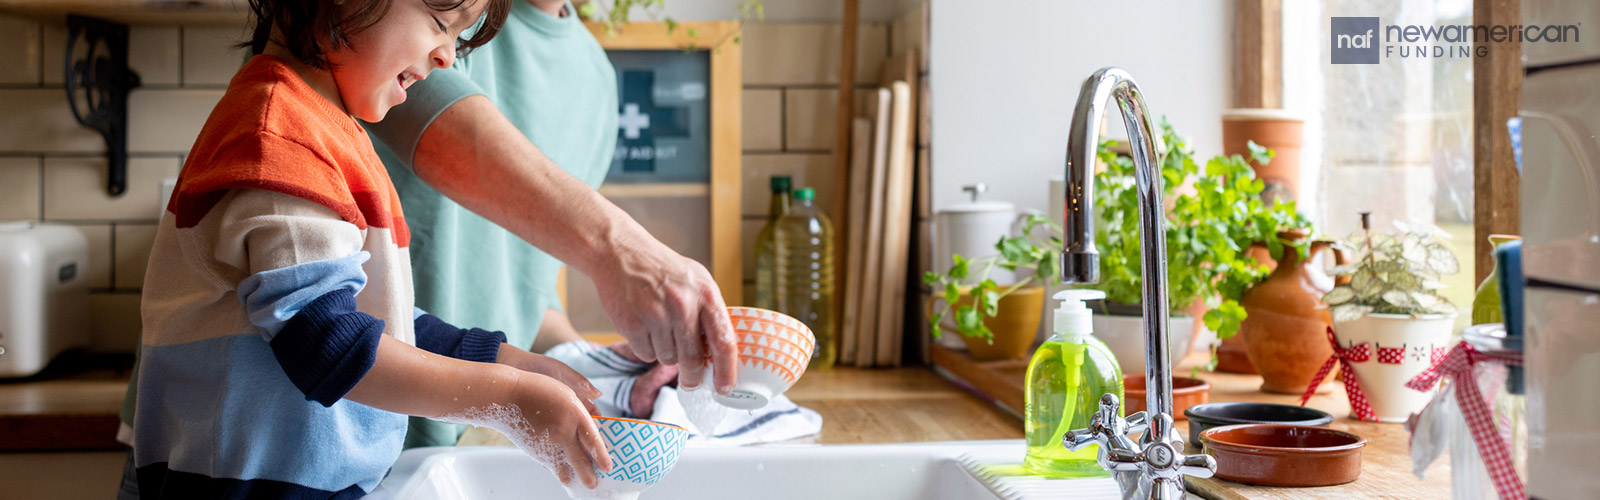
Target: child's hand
[(550, 367), (556, 430)]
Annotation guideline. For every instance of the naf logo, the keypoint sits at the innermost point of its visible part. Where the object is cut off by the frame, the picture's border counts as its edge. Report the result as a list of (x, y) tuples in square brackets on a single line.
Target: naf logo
[(1355, 40)]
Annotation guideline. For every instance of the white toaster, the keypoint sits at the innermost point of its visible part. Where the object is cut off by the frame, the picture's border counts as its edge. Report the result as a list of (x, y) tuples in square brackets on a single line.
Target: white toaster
[(44, 295)]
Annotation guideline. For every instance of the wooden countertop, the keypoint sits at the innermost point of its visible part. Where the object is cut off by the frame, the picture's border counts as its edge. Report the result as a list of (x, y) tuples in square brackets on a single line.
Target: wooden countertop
[(73, 405), (1385, 465)]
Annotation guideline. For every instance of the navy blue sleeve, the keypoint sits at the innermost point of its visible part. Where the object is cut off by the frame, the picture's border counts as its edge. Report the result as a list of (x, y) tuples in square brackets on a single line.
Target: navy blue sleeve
[(328, 346), (470, 344)]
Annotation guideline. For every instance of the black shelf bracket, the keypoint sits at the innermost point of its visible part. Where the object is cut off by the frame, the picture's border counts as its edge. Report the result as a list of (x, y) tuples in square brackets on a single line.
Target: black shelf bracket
[(97, 88)]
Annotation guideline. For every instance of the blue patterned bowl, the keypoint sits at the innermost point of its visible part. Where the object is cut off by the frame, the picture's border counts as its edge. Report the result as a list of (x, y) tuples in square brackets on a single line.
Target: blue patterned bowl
[(642, 452)]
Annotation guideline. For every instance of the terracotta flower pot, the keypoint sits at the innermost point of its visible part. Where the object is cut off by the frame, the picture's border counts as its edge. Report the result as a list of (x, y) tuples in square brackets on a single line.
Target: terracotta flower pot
[(1286, 328), (1014, 323), (1186, 392), (1274, 129)]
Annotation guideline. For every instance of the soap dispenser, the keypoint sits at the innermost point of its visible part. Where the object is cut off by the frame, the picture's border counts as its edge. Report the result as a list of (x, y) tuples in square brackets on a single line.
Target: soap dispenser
[(1066, 378)]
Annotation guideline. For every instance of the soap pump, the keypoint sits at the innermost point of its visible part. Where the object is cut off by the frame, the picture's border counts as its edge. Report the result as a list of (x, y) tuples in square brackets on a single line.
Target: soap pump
[(1066, 378)]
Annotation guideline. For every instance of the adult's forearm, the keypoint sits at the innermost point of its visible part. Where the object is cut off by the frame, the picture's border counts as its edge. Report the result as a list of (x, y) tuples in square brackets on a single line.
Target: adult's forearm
[(477, 158), (554, 329)]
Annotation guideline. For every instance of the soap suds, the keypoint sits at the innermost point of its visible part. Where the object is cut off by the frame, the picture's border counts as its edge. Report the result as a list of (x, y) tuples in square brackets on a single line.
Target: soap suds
[(703, 411), (604, 492), (509, 421)]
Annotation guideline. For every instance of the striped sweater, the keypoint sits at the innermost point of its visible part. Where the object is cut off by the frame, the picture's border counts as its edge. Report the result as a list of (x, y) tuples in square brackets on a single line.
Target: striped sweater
[(280, 260)]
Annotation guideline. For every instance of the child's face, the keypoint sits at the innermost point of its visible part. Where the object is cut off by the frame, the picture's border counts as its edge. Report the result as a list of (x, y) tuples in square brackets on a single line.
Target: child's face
[(404, 46)]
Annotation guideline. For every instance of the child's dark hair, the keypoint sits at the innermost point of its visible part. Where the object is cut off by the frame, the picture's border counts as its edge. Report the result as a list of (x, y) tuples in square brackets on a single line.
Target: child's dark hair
[(306, 25)]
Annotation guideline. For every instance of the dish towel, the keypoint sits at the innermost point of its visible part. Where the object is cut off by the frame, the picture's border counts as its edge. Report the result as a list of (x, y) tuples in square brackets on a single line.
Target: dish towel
[(780, 420), (614, 376)]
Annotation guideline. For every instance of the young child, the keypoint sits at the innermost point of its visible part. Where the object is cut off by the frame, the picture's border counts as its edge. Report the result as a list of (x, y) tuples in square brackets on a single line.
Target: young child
[(280, 349)]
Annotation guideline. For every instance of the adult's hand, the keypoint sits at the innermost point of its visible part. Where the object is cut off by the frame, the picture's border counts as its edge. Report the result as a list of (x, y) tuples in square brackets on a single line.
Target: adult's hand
[(665, 304), (670, 311)]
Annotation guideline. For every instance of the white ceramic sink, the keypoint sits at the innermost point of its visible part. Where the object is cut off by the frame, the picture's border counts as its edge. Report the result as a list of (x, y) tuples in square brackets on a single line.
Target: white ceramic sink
[(965, 470)]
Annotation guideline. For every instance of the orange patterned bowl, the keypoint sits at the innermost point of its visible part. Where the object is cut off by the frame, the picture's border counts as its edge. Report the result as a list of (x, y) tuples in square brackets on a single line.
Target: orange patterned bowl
[(773, 351)]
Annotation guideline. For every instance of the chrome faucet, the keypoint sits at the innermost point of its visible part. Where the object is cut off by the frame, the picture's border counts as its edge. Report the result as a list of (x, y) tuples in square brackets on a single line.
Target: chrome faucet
[(1152, 467)]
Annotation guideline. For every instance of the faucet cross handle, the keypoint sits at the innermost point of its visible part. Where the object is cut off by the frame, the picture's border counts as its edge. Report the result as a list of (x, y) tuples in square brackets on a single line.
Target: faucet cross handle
[(1163, 452), (1109, 430)]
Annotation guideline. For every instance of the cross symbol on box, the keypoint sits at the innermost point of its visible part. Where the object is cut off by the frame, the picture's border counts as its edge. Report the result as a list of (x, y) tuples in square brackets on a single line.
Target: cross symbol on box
[(631, 121)]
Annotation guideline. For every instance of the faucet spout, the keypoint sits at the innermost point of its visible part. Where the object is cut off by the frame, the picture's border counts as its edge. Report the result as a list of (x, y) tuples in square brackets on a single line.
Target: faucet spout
[(1079, 260), (1155, 466)]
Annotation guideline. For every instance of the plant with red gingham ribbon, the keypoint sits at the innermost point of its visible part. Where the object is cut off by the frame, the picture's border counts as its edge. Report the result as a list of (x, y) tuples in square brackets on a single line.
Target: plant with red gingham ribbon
[(1352, 387), (1458, 364)]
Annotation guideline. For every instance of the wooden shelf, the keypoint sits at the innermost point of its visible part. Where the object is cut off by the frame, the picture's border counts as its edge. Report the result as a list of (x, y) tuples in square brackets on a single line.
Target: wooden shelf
[(1385, 463), (229, 12)]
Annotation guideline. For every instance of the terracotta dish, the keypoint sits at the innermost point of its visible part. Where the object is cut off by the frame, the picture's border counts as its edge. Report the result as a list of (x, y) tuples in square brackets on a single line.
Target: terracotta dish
[(1285, 455), (1206, 416), (1186, 392)]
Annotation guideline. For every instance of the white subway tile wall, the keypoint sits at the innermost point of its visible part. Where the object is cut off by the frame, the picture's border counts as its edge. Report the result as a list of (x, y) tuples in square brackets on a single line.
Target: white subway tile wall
[(762, 123), (53, 169), (131, 243), (75, 189), (164, 121), (38, 120), (20, 62), (98, 237), (19, 188), (797, 65), (211, 55), (154, 52)]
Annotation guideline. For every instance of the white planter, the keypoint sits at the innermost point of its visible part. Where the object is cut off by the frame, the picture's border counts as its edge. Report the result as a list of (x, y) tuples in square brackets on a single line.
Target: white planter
[(1383, 380), (1124, 335)]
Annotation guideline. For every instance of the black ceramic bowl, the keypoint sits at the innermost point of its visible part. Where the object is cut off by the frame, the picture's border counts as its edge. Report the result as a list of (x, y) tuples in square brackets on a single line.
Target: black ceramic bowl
[(1206, 416)]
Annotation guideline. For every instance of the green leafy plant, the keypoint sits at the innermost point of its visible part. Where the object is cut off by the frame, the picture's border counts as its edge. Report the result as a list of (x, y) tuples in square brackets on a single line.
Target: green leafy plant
[(1216, 214), (1394, 274), (614, 13), (1209, 229), (1032, 255)]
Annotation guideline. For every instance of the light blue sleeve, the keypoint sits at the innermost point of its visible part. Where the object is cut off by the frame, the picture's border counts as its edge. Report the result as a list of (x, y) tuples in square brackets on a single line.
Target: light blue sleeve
[(402, 128), (271, 298)]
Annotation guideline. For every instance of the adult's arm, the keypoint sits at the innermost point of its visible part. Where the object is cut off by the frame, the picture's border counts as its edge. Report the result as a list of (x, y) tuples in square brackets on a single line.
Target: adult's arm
[(666, 305)]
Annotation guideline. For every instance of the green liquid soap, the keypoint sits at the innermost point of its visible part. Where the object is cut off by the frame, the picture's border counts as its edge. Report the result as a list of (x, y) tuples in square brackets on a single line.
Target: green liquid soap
[(1066, 378)]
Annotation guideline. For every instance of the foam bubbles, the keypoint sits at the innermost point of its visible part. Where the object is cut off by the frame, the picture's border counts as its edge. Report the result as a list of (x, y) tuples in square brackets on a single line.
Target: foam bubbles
[(703, 411), (509, 421), (605, 491)]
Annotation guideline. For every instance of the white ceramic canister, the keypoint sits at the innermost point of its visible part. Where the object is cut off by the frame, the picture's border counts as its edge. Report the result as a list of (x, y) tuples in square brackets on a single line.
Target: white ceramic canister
[(1402, 347), (971, 230)]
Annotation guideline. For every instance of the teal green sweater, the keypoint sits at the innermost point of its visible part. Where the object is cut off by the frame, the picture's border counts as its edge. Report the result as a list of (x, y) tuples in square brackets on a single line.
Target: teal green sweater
[(552, 80)]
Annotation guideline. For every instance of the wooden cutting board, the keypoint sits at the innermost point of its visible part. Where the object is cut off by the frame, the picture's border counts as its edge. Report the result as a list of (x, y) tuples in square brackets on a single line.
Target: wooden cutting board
[(896, 229), (872, 249), (856, 226)]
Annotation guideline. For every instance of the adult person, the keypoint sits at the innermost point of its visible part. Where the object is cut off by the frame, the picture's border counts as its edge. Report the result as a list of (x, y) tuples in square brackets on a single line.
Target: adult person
[(505, 149)]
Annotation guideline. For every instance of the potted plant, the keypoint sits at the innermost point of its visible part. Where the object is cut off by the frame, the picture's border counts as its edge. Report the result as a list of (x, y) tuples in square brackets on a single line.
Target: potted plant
[(1393, 305), (620, 12), (998, 321), (1210, 227)]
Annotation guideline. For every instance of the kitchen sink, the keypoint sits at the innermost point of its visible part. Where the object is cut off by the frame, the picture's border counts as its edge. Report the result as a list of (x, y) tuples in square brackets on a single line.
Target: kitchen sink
[(963, 470)]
